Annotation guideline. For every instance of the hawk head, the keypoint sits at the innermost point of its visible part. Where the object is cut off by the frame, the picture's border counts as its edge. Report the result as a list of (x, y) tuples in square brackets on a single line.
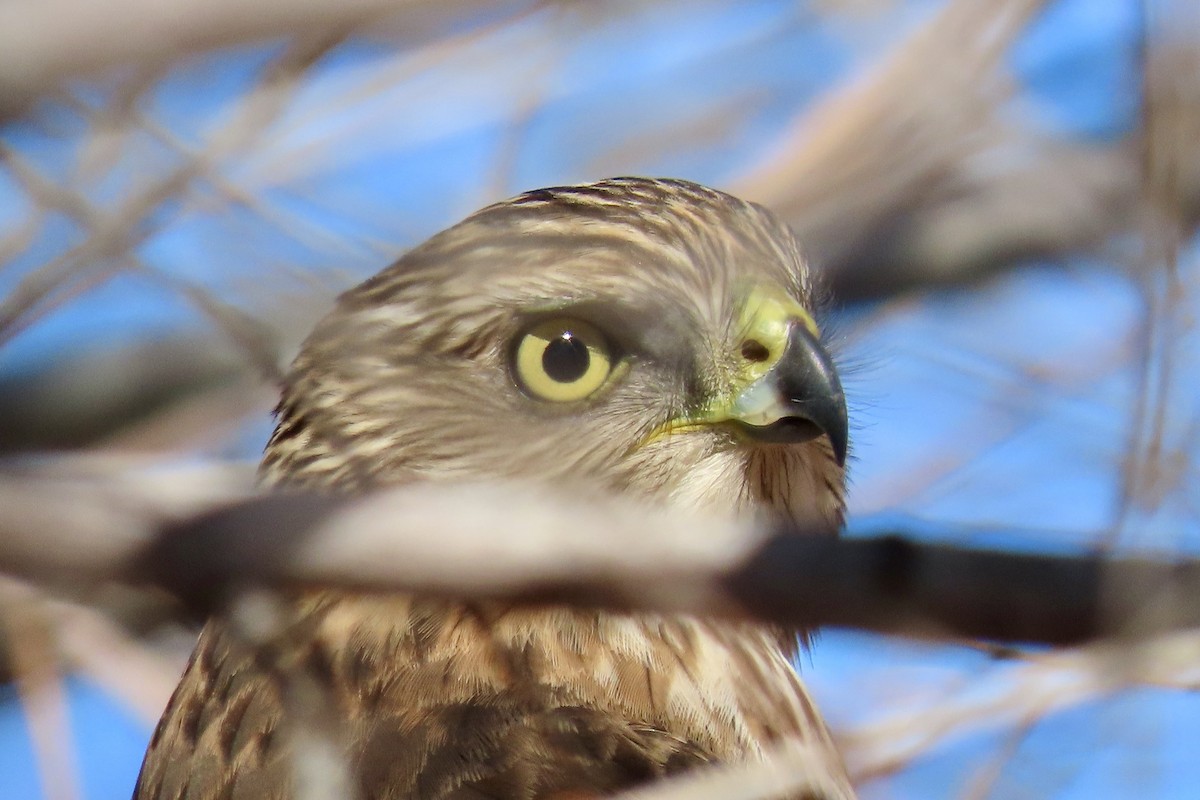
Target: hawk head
[(652, 337), (640, 336)]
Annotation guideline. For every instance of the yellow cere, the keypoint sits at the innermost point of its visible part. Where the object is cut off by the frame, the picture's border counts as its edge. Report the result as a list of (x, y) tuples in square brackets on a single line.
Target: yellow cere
[(765, 315), (563, 360)]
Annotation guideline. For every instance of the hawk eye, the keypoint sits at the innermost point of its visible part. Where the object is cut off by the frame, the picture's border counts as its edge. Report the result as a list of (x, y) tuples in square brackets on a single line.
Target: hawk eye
[(562, 360)]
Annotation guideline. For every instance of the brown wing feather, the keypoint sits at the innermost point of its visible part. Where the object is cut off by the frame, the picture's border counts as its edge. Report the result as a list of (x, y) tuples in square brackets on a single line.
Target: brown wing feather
[(512, 744), (219, 736), (444, 700)]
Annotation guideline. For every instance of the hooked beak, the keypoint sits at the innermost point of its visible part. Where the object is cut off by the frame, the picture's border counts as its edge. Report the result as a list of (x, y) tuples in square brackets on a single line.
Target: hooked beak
[(787, 390), (798, 399)]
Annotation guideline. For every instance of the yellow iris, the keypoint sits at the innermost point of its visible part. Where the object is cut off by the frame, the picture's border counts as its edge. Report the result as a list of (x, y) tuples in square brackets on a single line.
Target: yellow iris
[(562, 360)]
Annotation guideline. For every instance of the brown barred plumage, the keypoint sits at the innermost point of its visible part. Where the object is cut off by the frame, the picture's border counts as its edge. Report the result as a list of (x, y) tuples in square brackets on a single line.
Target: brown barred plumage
[(410, 378)]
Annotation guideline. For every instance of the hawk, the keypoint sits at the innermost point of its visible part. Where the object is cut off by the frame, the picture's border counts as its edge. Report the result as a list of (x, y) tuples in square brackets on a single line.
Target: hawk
[(654, 338)]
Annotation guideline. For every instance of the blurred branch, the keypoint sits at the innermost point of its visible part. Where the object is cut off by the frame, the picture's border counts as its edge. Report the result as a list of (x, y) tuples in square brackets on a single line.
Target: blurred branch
[(315, 728), (910, 175), (792, 770), (88, 642), (30, 635), (1046, 684), (114, 233), (1170, 160), (44, 42), (1168, 211), (130, 395), (524, 545), (856, 163)]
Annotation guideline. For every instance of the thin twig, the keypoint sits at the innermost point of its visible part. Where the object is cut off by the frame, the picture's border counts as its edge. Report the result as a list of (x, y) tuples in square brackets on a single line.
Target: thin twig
[(40, 688)]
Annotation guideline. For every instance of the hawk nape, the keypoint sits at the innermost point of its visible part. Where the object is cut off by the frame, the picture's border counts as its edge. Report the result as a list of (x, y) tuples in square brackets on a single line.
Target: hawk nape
[(649, 337)]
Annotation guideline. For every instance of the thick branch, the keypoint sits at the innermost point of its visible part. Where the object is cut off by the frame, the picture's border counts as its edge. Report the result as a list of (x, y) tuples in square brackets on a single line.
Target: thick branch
[(527, 545)]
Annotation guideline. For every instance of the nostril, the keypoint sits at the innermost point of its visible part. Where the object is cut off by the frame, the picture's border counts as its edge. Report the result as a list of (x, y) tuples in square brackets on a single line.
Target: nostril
[(754, 350)]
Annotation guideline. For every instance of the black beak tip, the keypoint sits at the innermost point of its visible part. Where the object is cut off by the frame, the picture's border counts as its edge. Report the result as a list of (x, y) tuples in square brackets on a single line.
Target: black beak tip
[(808, 382), (797, 430), (839, 440)]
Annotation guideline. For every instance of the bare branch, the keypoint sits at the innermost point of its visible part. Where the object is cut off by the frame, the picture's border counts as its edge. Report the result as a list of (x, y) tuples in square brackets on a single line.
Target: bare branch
[(528, 545), (43, 42), (128, 393), (1035, 690), (908, 175), (82, 519), (40, 688), (91, 644), (793, 769), (320, 768)]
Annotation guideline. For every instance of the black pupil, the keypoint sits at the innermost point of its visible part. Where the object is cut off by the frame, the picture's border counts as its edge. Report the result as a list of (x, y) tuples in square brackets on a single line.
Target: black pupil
[(565, 358)]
